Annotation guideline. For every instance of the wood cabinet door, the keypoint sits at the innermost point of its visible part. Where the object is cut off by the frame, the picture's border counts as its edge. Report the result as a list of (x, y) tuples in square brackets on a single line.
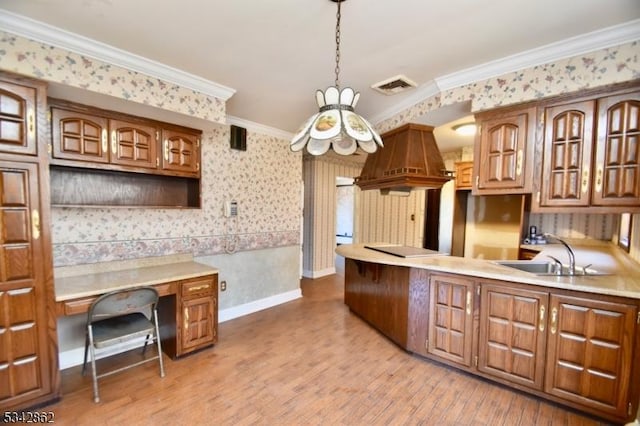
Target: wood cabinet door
[(464, 175), (198, 323), (589, 355), (78, 136), (180, 152), (567, 153), (25, 363), (18, 116), (502, 151), (133, 144), (512, 339), (617, 159), (450, 334)]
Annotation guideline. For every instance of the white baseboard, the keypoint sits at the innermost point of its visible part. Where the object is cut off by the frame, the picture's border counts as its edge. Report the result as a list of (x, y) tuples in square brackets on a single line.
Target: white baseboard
[(258, 305), (318, 274), (75, 356)]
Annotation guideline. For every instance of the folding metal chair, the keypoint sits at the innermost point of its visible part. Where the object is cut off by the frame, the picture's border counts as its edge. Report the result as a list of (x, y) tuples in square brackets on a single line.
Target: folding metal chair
[(118, 317)]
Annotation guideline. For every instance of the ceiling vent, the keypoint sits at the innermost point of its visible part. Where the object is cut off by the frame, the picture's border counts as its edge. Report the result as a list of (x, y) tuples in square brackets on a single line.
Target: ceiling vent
[(394, 85)]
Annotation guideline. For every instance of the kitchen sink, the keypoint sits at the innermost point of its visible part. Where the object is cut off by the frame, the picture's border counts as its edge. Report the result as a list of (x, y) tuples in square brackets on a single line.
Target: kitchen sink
[(547, 268)]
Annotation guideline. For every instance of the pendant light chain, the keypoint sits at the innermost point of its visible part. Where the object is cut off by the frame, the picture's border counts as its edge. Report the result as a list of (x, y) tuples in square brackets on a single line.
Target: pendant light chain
[(337, 70)]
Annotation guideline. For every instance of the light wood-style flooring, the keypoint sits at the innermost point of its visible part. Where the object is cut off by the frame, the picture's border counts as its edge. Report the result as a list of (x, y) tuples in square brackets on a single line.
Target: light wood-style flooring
[(306, 362)]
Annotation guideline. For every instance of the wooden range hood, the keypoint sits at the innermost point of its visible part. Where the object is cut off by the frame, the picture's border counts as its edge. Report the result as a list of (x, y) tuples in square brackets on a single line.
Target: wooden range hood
[(410, 159)]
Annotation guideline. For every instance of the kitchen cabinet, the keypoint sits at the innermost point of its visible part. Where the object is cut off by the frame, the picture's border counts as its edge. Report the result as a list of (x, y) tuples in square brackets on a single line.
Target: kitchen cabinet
[(464, 174), (512, 338), (590, 352), (29, 373), (503, 158), (191, 323), (106, 158), (92, 138), (617, 156), (451, 301), (573, 348), (567, 151), (180, 151), (590, 154), (18, 114), (199, 313)]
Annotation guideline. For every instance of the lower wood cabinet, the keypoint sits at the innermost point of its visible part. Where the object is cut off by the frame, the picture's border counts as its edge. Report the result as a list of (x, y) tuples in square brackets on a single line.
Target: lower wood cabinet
[(450, 331), (590, 352), (578, 349), (512, 339), (192, 323)]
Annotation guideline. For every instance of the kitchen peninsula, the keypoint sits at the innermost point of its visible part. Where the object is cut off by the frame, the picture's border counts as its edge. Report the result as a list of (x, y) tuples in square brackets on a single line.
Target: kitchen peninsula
[(570, 339)]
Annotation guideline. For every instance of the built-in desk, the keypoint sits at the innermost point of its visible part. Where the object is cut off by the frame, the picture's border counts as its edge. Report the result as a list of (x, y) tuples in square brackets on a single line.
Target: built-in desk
[(188, 308)]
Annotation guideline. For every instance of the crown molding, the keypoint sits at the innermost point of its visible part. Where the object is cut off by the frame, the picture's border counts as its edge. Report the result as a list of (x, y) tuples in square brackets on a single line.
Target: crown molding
[(259, 128), (574, 46), (45, 33)]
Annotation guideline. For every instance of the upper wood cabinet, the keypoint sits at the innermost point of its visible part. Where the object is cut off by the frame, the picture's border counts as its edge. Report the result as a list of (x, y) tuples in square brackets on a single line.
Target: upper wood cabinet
[(464, 175), (617, 156), (504, 151), (591, 154), (19, 109), (180, 151), (567, 151), (92, 138), (88, 137)]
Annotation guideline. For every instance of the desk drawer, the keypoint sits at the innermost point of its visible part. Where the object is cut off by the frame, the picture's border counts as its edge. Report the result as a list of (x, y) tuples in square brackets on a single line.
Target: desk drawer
[(198, 287), (78, 306)]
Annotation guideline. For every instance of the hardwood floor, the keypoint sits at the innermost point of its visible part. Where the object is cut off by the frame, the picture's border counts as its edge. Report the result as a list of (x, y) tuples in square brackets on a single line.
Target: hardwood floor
[(306, 362)]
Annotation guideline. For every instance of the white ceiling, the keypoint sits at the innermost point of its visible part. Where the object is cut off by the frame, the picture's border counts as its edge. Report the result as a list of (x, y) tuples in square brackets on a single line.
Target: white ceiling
[(276, 53)]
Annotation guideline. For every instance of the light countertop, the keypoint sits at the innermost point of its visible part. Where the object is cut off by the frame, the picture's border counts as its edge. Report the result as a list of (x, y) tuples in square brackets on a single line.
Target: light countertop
[(624, 279), (92, 280)]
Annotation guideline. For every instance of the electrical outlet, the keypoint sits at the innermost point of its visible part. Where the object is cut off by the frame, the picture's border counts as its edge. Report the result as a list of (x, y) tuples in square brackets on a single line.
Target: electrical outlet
[(223, 285)]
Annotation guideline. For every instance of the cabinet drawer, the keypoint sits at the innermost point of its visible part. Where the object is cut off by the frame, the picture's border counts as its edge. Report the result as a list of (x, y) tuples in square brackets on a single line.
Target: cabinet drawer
[(79, 306), (197, 287)]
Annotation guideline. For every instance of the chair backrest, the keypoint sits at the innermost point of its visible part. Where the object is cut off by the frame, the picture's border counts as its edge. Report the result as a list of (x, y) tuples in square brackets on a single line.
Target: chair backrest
[(122, 302)]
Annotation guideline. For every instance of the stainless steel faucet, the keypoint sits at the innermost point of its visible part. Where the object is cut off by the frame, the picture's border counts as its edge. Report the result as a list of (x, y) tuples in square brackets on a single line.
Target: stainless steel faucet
[(572, 255)]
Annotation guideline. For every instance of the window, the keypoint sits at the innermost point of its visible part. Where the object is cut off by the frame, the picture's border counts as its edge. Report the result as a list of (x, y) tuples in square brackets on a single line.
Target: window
[(624, 233)]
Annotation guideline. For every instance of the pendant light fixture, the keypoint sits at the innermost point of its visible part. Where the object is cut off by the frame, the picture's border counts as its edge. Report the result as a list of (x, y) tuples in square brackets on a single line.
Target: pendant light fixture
[(336, 125)]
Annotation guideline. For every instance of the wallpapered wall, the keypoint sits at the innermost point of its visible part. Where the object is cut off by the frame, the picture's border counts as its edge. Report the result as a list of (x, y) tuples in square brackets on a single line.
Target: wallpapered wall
[(49, 63), (264, 180)]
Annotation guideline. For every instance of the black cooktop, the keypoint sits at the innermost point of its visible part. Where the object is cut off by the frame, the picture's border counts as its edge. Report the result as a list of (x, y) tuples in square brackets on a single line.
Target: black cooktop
[(405, 251)]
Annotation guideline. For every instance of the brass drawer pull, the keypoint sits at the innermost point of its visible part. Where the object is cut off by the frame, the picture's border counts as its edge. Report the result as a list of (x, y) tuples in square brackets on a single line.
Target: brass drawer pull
[(541, 325), (113, 142), (599, 172), (186, 319), (200, 287), (104, 140), (519, 163), (35, 224), (166, 150), (554, 320), (468, 302), (31, 125)]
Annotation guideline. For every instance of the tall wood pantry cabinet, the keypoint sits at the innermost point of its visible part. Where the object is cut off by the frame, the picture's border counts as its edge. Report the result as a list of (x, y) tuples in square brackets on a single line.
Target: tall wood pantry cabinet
[(29, 373)]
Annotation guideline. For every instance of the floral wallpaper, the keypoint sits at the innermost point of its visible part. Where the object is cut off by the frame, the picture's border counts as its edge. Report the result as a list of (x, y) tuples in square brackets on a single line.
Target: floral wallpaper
[(49, 63), (599, 68), (265, 180)]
